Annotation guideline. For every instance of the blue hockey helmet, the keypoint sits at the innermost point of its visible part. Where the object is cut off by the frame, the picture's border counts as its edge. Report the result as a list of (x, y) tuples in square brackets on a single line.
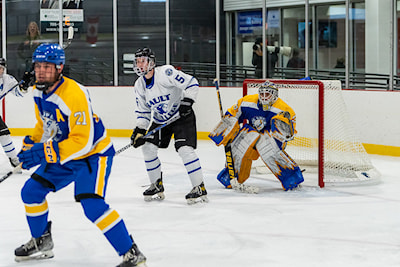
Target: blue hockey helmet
[(52, 53)]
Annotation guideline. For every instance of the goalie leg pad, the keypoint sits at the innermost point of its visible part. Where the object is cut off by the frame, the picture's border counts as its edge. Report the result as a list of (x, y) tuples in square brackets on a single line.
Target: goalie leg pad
[(225, 131), (279, 162), (243, 151)]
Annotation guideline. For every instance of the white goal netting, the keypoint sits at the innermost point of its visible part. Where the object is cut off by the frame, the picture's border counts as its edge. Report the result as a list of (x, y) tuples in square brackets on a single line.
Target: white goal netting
[(325, 132)]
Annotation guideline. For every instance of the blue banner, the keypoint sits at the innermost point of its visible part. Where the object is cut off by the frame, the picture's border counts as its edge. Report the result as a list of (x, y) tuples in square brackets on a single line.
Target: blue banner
[(248, 21)]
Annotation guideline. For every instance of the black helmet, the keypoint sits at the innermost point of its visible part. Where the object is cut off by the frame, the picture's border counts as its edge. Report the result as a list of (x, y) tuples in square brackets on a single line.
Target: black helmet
[(3, 62), (151, 59)]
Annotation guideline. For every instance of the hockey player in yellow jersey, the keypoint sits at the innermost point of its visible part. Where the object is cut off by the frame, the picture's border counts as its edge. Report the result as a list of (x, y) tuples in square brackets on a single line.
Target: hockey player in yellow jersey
[(70, 145), (259, 125)]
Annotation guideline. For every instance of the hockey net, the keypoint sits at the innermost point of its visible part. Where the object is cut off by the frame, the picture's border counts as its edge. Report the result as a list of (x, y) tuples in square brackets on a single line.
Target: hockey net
[(326, 142)]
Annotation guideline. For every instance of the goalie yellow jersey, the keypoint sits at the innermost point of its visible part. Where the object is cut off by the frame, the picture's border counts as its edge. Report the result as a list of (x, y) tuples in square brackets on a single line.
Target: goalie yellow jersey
[(66, 116), (248, 108)]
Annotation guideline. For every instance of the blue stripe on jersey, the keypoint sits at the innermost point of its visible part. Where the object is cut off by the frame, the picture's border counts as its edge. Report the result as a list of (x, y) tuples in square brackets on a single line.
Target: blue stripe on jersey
[(192, 85)]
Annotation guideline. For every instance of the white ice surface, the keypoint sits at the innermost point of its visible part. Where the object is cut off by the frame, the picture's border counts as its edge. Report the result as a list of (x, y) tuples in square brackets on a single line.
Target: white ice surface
[(339, 226)]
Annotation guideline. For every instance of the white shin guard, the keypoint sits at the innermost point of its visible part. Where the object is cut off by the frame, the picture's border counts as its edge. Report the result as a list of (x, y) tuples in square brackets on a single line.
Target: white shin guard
[(192, 164), (152, 162), (8, 146)]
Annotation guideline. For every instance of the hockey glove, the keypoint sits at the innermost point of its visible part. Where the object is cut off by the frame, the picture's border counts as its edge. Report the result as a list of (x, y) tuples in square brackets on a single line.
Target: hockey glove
[(27, 80), (27, 143), (185, 109), (282, 127), (40, 152), (136, 138)]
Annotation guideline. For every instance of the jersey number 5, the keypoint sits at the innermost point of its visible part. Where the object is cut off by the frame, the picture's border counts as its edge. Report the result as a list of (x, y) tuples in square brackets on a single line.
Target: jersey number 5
[(180, 79)]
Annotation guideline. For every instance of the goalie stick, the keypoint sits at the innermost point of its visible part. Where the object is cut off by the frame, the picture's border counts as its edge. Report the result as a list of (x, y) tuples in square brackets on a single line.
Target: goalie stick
[(148, 134), (229, 157)]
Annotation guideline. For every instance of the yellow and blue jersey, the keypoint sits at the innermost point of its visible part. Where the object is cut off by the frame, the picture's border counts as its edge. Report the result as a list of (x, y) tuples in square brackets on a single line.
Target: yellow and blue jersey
[(249, 109), (66, 116)]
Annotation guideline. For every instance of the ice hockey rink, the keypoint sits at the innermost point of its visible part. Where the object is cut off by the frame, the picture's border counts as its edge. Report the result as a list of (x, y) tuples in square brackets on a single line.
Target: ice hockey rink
[(336, 226)]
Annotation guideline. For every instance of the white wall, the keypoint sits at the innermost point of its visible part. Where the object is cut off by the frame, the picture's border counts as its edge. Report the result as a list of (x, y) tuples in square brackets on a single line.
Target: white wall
[(375, 113)]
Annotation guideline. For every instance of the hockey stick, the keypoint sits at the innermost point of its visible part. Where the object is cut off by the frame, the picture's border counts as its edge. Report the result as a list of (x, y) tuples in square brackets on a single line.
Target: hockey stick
[(148, 134), (228, 150), (8, 174), (229, 158), (12, 88), (69, 38)]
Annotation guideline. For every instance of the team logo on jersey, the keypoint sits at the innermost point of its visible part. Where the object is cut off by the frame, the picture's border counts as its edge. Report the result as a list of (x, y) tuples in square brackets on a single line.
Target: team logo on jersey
[(51, 128), (162, 108), (168, 72), (258, 122)]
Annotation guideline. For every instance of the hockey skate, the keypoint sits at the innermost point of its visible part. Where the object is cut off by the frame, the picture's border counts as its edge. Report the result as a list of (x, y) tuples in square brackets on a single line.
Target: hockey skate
[(155, 191), (133, 258), (36, 248), (197, 194), (15, 162)]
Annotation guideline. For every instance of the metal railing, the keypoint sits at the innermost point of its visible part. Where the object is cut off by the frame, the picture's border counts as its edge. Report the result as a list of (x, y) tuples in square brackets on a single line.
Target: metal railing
[(97, 72)]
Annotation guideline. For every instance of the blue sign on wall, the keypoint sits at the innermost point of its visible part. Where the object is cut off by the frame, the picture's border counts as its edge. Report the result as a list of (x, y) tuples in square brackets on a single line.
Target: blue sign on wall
[(248, 21)]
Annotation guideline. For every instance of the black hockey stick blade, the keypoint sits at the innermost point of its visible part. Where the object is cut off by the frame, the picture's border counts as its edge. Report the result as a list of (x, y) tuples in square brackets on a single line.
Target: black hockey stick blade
[(8, 174)]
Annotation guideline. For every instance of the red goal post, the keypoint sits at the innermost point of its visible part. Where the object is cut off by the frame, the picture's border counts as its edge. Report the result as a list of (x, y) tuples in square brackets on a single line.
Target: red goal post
[(326, 139)]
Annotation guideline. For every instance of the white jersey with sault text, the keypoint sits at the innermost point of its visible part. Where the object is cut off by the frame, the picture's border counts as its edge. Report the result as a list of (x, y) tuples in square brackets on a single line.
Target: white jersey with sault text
[(162, 96)]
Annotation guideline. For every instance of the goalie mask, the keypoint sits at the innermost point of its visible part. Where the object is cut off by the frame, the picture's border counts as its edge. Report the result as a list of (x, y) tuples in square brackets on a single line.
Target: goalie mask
[(51, 53), (267, 95), (144, 61)]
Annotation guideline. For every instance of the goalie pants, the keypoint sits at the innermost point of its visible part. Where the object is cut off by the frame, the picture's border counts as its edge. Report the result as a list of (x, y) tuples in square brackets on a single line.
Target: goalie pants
[(185, 135), (90, 177)]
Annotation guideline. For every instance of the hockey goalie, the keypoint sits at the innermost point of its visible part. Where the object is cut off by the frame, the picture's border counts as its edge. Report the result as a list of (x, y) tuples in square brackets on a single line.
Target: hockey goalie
[(259, 125)]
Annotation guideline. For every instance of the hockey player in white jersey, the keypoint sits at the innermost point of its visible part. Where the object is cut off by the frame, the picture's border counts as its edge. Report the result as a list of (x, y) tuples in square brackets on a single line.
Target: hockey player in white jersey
[(163, 94), (8, 84), (259, 125)]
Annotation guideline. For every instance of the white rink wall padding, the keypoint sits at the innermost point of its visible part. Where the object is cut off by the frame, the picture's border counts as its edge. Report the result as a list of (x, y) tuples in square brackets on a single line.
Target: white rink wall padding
[(374, 113)]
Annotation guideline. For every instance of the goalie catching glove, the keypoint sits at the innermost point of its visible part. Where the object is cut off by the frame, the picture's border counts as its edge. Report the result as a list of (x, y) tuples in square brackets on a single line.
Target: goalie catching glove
[(39, 153), (137, 137), (282, 127)]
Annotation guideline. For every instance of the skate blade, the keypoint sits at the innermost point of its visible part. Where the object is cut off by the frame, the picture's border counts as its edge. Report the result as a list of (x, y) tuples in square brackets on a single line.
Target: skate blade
[(40, 256), (158, 197), (202, 199), (142, 264)]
